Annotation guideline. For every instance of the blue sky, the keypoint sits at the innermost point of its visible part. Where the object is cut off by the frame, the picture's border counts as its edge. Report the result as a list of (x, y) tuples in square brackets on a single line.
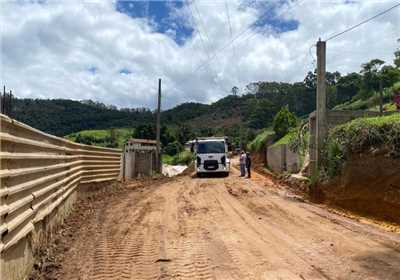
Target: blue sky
[(162, 17), (270, 18)]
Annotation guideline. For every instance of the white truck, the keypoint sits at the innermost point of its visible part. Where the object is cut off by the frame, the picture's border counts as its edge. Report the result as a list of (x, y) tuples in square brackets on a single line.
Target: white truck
[(211, 155)]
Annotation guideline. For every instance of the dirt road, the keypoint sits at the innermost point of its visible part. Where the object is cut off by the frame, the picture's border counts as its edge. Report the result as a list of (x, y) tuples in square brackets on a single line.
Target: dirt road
[(225, 228)]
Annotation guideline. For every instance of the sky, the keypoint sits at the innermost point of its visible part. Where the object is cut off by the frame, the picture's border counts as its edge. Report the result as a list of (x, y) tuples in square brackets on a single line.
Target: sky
[(115, 51)]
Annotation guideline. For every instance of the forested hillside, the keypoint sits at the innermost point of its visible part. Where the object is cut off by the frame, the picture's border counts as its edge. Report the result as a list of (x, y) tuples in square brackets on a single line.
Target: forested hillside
[(61, 116), (238, 116)]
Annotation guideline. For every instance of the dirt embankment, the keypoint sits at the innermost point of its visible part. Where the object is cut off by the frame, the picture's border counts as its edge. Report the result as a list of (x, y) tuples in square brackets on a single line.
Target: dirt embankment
[(369, 185)]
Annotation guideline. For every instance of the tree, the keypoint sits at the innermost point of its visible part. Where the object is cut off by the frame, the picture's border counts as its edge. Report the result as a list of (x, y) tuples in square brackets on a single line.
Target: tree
[(397, 56), (389, 75), (347, 87), (371, 79), (166, 136), (310, 81), (235, 90), (332, 78), (145, 131), (261, 114), (173, 148), (283, 121), (113, 143), (184, 134)]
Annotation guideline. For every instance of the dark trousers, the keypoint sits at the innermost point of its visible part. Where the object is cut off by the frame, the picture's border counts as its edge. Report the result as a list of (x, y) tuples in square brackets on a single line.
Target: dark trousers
[(248, 167), (242, 170)]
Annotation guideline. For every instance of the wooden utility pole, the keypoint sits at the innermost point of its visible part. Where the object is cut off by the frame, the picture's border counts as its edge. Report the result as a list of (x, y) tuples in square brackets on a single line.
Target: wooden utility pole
[(321, 112), (158, 156)]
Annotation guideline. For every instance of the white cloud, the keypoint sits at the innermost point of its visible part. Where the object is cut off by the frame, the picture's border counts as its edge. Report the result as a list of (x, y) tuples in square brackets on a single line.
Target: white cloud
[(48, 49)]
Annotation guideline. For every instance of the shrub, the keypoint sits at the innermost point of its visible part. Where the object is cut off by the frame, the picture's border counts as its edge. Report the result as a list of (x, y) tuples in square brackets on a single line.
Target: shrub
[(260, 141), (299, 140), (283, 121), (285, 140), (335, 158), (184, 157), (173, 148), (358, 136), (167, 159)]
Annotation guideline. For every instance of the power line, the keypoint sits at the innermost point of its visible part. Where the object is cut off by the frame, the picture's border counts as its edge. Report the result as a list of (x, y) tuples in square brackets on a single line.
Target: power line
[(198, 31), (363, 22), (203, 25), (313, 60), (200, 20), (229, 18), (201, 37), (240, 34)]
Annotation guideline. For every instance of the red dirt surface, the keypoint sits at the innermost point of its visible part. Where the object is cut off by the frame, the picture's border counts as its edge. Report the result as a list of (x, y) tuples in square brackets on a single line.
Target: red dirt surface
[(217, 228)]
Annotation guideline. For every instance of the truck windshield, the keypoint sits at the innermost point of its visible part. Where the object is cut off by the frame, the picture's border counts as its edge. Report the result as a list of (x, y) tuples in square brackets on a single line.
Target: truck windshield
[(211, 147)]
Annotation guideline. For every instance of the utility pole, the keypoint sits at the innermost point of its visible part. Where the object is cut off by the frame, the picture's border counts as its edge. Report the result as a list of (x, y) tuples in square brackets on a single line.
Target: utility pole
[(321, 112), (10, 105), (158, 128), (380, 96), (3, 100)]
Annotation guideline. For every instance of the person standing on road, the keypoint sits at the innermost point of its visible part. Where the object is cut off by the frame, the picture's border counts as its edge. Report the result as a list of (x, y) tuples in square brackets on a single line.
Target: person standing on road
[(248, 164), (242, 164)]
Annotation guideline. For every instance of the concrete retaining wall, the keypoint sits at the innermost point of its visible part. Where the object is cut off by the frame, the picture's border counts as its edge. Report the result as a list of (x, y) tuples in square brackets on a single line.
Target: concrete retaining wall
[(292, 161), (276, 158), (280, 159), (39, 176)]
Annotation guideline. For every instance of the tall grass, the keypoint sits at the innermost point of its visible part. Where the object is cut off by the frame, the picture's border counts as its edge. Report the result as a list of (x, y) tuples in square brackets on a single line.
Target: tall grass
[(260, 141), (361, 135), (182, 158), (100, 136)]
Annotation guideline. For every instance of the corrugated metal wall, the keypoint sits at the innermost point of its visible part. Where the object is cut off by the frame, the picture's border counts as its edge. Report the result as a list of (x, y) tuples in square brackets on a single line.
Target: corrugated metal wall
[(39, 171)]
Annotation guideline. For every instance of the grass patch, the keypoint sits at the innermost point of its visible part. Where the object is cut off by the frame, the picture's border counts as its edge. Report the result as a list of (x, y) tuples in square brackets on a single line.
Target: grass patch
[(358, 136), (285, 139), (102, 137), (182, 158), (260, 140), (167, 159)]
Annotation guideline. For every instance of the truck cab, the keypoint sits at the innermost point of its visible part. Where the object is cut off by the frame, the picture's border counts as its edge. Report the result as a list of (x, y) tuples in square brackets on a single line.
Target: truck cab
[(212, 155)]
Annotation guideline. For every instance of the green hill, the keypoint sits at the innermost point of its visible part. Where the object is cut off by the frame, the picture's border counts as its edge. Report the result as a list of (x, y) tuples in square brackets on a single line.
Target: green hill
[(61, 116), (113, 138)]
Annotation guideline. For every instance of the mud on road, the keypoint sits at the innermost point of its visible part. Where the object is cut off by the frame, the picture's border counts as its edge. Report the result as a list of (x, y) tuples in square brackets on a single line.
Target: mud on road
[(223, 228)]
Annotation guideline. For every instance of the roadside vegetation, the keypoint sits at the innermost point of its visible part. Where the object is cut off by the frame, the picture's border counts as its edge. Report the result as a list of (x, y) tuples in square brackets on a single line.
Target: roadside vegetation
[(372, 103), (361, 135), (111, 138), (259, 142), (182, 158), (285, 139)]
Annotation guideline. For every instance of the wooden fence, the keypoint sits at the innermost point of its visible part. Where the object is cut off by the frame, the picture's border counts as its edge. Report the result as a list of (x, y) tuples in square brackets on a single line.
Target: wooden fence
[(38, 173)]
